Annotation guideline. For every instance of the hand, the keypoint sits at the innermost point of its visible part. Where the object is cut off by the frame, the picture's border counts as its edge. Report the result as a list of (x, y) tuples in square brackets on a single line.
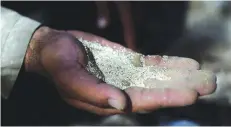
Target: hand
[(59, 56)]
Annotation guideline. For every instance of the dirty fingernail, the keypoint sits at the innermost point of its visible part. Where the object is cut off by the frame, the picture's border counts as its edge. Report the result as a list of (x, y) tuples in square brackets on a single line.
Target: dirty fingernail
[(116, 104)]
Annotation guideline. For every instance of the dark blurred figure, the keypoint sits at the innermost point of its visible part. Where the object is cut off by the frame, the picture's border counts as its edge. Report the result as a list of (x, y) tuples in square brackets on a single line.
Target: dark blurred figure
[(125, 13)]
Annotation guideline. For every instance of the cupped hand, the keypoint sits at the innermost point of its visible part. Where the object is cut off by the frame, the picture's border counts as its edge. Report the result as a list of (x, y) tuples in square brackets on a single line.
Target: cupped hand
[(62, 58)]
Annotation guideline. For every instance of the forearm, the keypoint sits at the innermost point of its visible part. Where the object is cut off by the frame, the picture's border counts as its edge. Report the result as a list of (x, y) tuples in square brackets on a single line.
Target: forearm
[(16, 32)]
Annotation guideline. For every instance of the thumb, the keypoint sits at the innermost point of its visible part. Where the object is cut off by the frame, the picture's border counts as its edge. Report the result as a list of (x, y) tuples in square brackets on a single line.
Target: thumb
[(80, 85)]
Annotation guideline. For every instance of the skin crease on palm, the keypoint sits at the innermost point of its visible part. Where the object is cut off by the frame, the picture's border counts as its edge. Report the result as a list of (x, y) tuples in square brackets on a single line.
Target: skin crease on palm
[(61, 57)]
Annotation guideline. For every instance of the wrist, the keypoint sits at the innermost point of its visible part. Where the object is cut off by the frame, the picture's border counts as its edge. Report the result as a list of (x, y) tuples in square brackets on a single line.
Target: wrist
[(33, 54)]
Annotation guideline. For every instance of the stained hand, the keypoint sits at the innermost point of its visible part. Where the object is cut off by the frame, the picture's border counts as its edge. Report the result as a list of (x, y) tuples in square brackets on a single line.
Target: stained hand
[(61, 57)]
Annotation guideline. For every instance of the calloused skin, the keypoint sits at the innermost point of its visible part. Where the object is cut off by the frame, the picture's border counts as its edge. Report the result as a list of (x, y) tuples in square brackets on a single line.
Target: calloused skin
[(58, 55)]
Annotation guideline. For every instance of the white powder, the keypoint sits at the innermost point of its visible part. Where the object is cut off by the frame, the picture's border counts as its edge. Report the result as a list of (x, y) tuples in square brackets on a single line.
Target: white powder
[(120, 68)]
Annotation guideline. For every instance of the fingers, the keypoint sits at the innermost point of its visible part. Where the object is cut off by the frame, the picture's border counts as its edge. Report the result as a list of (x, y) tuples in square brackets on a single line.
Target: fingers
[(181, 89), (171, 62), (92, 108), (80, 85), (160, 97), (203, 82)]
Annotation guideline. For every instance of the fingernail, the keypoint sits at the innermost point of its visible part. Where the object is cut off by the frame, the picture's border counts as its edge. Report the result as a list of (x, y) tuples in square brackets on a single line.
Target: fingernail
[(115, 104), (209, 82)]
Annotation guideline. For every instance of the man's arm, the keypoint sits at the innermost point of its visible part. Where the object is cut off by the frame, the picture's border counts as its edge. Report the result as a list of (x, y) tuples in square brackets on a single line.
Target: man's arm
[(16, 31)]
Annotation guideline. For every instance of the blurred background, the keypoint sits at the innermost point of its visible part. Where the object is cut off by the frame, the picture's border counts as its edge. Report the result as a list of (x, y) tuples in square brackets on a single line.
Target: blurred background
[(157, 25)]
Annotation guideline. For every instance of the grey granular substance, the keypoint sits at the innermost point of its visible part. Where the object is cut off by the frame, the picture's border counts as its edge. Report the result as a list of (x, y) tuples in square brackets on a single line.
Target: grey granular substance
[(120, 68)]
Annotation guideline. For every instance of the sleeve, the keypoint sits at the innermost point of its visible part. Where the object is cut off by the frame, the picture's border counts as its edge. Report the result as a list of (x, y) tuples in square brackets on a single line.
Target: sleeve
[(16, 32)]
